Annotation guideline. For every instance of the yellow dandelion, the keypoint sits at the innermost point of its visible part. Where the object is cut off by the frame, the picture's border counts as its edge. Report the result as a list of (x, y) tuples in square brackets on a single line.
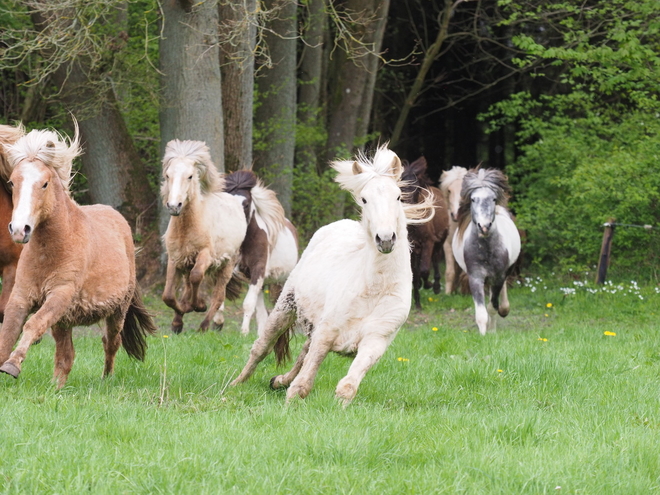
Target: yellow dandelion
[(267, 291), (402, 359), (549, 305), (546, 315), (435, 329), (499, 371), (609, 334), (542, 339), (430, 299), (166, 336)]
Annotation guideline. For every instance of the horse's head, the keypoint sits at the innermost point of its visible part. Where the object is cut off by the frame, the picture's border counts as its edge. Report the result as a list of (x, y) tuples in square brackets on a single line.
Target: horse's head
[(482, 191), (375, 188), (187, 170), (41, 166), (451, 183)]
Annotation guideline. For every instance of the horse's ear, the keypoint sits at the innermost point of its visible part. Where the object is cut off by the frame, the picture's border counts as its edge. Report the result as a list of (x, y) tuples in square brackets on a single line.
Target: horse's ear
[(397, 167), (357, 168)]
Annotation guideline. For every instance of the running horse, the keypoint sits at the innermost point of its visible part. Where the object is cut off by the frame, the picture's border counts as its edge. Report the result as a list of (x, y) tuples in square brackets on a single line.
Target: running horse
[(77, 266), (9, 250)]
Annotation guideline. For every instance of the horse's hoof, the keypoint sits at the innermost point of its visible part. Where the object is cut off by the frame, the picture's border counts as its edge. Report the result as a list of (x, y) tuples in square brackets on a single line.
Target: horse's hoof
[(275, 384), (10, 369), (436, 288), (201, 308), (218, 326), (177, 329)]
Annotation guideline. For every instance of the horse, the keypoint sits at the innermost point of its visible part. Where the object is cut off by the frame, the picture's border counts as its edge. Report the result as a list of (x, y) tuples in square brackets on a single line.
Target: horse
[(486, 243), (351, 290), (206, 229), (270, 249), (426, 239), (451, 182), (9, 250), (77, 266)]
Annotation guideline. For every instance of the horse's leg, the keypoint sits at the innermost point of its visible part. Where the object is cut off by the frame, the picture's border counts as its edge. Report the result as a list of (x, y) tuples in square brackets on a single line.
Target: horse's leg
[(369, 352), (250, 303), (279, 321), (169, 296), (480, 311), (450, 266), (425, 262), (8, 279), (16, 312), (262, 313), (283, 381), (219, 318), (504, 307), (218, 296), (435, 260), (320, 344), (64, 354), (57, 302), (112, 341), (202, 263), (492, 308), (414, 262)]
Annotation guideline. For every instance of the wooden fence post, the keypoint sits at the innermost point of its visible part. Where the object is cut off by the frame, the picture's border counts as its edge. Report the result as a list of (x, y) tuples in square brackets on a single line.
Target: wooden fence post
[(605, 251)]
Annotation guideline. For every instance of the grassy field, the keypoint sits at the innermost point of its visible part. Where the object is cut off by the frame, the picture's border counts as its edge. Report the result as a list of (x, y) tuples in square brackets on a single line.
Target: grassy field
[(562, 399)]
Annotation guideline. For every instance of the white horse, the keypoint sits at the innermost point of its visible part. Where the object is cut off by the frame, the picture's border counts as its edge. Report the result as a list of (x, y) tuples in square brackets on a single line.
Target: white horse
[(270, 249), (207, 227), (451, 182), (351, 289), (486, 243)]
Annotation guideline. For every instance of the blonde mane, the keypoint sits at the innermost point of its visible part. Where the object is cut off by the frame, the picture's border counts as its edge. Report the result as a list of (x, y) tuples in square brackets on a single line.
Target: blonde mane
[(210, 180), (450, 176), (49, 147), (270, 210), (354, 175), (8, 135)]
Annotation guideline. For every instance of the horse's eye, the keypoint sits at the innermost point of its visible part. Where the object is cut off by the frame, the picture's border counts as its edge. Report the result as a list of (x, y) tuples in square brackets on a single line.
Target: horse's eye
[(399, 198), (364, 201), (190, 178), (10, 184), (45, 185)]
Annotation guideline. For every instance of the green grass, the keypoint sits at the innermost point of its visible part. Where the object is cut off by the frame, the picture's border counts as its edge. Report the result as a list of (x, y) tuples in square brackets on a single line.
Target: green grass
[(445, 411)]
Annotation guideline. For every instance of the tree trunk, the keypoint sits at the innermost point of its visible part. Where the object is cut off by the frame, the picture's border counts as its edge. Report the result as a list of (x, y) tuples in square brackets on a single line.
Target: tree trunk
[(238, 34), (275, 116), (352, 77), (191, 105), (310, 79)]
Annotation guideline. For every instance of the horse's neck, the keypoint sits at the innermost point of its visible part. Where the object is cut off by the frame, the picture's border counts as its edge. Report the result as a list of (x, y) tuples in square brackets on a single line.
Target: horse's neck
[(189, 218), (63, 220)]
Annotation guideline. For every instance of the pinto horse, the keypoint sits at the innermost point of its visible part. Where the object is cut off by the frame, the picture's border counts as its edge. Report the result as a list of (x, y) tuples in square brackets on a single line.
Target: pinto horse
[(77, 266), (9, 250), (451, 182), (426, 239), (486, 243), (366, 282), (206, 229), (270, 249)]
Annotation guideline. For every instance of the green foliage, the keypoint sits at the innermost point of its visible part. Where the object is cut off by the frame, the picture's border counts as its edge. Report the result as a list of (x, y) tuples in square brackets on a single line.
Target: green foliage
[(590, 146)]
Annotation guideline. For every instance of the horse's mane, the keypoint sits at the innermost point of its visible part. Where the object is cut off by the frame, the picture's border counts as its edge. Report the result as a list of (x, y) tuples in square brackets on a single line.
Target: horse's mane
[(8, 135), (49, 147), (264, 200), (451, 175), (210, 180), (354, 175), (474, 179), (414, 179)]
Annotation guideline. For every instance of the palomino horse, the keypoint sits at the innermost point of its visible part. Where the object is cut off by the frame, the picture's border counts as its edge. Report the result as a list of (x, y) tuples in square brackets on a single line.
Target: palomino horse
[(270, 249), (9, 250), (207, 227), (77, 266), (486, 243), (451, 182), (426, 239), (351, 289)]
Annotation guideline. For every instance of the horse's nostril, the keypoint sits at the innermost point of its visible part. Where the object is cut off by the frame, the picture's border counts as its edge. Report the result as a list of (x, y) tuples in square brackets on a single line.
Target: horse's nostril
[(9, 226), (28, 229), (393, 237), (377, 238)]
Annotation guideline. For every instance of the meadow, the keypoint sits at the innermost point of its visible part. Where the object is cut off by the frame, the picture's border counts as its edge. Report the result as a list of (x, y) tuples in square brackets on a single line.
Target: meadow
[(563, 398)]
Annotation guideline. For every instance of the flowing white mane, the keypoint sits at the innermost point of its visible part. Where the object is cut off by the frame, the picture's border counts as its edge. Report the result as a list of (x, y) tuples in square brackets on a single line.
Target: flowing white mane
[(8, 135), (49, 147), (354, 175), (210, 179)]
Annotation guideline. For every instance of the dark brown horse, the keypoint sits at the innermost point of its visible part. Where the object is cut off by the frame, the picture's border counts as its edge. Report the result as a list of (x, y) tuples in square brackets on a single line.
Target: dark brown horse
[(9, 250), (77, 267), (426, 239), (270, 248)]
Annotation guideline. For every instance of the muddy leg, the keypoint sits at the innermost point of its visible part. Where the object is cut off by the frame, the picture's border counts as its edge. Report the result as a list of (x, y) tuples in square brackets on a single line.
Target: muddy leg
[(283, 381), (64, 354), (218, 296), (369, 352), (169, 297), (320, 345)]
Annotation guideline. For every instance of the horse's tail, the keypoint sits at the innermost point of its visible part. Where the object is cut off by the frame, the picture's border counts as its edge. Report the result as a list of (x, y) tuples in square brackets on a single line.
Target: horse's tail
[(137, 325), (270, 210), (235, 285), (282, 346)]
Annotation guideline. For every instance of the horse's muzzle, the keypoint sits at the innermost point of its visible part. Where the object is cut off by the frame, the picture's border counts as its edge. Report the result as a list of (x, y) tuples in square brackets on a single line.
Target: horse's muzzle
[(20, 236), (174, 210), (386, 246)]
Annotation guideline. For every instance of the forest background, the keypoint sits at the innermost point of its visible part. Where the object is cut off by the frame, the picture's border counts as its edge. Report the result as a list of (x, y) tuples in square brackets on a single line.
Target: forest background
[(561, 95)]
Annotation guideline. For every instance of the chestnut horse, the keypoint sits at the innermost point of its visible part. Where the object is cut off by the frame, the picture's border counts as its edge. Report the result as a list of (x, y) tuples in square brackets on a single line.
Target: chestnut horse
[(207, 227), (77, 266), (426, 239), (270, 249), (9, 250)]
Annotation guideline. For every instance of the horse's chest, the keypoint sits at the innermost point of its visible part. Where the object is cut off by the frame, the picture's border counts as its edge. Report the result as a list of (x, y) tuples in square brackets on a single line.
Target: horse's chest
[(488, 254)]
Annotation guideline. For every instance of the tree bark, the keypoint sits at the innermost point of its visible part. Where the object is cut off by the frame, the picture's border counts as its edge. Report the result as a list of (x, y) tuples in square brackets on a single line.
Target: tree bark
[(238, 34), (275, 116), (191, 105)]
